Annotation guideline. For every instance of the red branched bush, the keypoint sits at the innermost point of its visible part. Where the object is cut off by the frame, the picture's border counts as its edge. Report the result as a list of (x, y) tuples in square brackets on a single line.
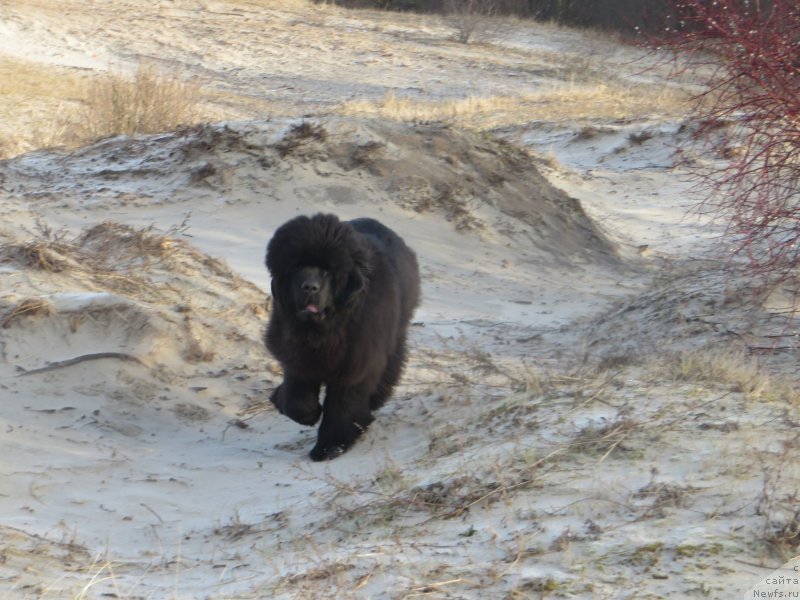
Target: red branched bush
[(751, 52)]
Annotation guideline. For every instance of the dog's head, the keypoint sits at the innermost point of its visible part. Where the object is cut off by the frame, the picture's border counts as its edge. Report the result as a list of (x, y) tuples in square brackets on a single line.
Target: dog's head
[(312, 295), (319, 268)]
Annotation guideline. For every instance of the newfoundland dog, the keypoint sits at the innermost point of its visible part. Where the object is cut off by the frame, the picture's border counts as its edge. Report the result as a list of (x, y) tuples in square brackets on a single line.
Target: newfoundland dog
[(343, 296)]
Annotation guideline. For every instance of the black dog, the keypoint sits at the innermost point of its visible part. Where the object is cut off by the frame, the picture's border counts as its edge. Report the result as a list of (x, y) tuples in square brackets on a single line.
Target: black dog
[(343, 296)]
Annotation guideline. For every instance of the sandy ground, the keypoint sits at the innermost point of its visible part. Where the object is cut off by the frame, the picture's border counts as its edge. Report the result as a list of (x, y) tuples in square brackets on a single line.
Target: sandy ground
[(586, 412)]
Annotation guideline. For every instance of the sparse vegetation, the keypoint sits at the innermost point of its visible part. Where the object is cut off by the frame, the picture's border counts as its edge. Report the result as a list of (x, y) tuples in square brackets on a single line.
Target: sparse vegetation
[(26, 308), (111, 253), (575, 103), (117, 258), (152, 101), (40, 89), (299, 135), (604, 438), (398, 506), (81, 108), (729, 369)]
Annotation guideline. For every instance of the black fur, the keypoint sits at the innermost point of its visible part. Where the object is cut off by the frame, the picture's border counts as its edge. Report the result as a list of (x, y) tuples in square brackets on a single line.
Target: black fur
[(343, 297)]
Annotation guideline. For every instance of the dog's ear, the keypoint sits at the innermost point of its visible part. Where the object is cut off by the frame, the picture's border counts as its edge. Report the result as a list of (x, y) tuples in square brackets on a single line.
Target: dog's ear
[(354, 288)]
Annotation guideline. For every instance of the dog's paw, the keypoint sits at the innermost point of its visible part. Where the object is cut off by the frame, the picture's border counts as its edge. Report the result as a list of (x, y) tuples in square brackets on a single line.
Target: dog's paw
[(318, 454)]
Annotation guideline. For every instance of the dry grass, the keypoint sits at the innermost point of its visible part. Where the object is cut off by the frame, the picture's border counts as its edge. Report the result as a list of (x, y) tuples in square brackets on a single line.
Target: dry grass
[(114, 257), (603, 439), (47, 105), (26, 308), (51, 106), (153, 100), (27, 92), (736, 371), (571, 102), (33, 81), (45, 255), (107, 244)]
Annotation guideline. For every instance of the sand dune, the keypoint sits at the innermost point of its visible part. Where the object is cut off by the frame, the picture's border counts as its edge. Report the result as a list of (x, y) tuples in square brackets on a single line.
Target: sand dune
[(587, 411)]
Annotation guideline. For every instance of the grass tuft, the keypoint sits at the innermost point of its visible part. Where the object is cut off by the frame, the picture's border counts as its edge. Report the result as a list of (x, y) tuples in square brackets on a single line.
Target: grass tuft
[(152, 101)]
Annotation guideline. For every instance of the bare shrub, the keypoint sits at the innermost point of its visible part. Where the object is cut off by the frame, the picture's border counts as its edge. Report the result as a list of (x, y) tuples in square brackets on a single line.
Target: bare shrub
[(468, 16), (153, 100), (750, 111)]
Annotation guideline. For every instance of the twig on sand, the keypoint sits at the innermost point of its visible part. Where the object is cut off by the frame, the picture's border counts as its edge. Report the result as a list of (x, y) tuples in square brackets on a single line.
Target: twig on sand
[(82, 358)]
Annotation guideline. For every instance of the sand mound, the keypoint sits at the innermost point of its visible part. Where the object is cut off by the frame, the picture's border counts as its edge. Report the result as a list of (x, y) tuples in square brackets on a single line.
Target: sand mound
[(119, 347), (123, 293), (481, 185)]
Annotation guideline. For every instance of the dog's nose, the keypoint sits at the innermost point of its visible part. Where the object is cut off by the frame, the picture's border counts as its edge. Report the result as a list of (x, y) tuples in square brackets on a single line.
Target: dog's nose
[(310, 286)]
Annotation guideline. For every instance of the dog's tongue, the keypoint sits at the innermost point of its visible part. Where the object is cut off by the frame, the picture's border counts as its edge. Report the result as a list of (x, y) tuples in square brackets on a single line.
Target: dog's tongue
[(312, 308)]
